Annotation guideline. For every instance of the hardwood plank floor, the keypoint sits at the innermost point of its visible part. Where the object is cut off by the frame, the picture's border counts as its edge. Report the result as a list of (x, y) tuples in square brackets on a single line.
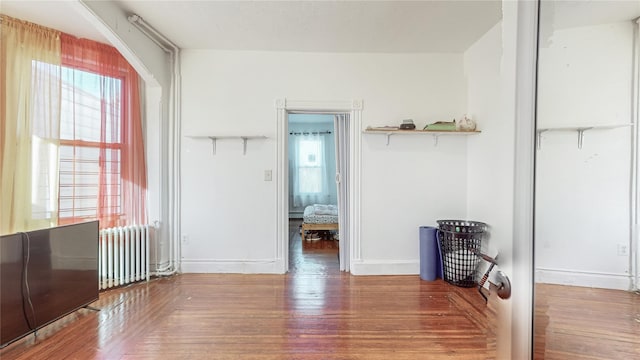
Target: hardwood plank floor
[(317, 312), (313, 312), (585, 323)]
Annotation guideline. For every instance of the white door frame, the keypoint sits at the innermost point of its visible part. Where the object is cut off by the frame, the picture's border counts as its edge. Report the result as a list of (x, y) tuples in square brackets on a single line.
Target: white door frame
[(283, 107)]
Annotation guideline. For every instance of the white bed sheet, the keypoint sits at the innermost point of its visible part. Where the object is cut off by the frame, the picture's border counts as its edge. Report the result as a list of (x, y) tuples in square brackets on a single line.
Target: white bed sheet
[(320, 214)]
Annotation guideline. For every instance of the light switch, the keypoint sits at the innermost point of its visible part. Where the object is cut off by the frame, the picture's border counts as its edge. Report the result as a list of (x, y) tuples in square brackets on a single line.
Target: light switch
[(267, 175)]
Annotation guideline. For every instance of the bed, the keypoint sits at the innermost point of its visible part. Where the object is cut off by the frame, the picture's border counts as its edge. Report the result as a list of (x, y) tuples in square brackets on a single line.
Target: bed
[(319, 217)]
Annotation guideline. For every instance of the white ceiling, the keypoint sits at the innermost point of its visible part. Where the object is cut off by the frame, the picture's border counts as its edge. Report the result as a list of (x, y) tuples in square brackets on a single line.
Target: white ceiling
[(316, 26), (321, 26)]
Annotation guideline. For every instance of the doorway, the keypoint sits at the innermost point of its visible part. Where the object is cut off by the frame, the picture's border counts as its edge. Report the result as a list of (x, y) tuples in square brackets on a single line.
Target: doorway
[(313, 193), (347, 126)]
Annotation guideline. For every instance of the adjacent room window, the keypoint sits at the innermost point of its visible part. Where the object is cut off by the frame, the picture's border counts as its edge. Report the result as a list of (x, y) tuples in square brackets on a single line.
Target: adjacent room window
[(310, 175), (310, 161)]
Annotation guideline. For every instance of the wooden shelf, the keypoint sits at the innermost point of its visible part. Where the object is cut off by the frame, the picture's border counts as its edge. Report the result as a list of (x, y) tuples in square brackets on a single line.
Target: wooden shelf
[(215, 138), (580, 129), (433, 133)]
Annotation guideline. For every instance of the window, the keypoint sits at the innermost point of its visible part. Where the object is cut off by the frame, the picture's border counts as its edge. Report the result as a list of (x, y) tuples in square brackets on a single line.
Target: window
[(74, 121), (308, 169), (89, 150), (310, 166)]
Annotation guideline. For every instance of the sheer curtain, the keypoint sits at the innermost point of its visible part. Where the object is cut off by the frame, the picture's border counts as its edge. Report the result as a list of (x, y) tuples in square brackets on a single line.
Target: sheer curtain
[(309, 172), (71, 140), (102, 153), (29, 128)]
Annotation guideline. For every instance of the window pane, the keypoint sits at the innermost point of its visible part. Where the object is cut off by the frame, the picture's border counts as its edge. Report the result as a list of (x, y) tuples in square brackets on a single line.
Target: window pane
[(91, 112), (87, 98), (309, 180), (80, 181), (309, 153)]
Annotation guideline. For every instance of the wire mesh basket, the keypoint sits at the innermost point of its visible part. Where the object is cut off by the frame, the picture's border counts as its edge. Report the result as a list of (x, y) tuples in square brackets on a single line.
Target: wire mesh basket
[(460, 243)]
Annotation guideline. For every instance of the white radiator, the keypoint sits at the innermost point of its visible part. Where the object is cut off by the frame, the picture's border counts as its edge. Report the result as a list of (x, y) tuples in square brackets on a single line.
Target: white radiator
[(123, 256)]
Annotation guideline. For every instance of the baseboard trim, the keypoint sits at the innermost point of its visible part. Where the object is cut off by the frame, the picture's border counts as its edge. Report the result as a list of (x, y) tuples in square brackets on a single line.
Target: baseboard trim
[(385, 267), (258, 266), (583, 278)]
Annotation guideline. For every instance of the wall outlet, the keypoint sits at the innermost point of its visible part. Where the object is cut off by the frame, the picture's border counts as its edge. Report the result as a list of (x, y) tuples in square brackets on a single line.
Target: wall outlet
[(268, 175), (185, 238), (623, 250)]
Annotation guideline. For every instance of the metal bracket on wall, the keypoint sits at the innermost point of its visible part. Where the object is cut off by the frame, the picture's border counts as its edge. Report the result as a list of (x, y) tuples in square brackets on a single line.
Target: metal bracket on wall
[(214, 140), (436, 134), (579, 129)]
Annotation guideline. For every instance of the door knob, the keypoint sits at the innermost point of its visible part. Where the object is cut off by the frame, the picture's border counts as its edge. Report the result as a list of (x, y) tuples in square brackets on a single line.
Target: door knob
[(504, 285)]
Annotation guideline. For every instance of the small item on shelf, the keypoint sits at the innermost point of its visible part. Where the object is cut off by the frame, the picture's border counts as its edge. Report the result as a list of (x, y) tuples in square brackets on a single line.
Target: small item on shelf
[(465, 124), (407, 125), (441, 126)]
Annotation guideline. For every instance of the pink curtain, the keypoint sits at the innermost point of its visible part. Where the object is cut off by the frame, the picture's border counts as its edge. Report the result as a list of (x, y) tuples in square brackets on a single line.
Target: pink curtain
[(102, 137)]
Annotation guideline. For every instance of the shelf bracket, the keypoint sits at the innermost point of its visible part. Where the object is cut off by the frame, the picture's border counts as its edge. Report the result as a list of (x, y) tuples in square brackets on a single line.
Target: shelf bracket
[(388, 137), (244, 145), (435, 139), (539, 138), (581, 136), (213, 144)]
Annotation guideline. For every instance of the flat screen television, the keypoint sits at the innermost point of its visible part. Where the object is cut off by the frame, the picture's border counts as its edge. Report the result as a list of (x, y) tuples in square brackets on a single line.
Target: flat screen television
[(45, 275)]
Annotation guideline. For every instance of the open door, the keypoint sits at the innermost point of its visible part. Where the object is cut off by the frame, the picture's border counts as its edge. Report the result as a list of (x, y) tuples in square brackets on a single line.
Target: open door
[(341, 129), (518, 91), (516, 313)]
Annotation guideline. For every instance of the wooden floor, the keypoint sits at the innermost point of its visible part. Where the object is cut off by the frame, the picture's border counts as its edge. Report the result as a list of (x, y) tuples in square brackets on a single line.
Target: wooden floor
[(584, 323), (313, 312)]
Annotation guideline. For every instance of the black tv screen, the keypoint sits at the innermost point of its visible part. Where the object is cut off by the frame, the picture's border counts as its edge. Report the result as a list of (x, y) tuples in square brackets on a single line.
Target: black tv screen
[(45, 275)]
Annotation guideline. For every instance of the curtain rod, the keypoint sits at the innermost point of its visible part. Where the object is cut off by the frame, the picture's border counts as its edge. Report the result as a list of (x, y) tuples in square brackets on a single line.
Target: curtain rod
[(310, 133)]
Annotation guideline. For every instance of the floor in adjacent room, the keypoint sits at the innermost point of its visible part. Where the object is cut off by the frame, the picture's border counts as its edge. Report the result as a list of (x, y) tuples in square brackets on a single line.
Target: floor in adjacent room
[(312, 256)]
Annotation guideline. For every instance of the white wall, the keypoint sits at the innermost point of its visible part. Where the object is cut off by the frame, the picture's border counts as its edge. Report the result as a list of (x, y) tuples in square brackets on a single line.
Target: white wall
[(228, 211), (582, 196), (489, 155)]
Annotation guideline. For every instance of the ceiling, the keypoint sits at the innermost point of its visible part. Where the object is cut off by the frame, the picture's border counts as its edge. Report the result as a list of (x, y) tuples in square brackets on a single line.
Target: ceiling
[(311, 26), (321, 26)]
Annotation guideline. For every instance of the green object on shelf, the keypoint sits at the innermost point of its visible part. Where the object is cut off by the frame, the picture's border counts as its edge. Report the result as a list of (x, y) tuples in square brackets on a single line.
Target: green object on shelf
[(441, 126)]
